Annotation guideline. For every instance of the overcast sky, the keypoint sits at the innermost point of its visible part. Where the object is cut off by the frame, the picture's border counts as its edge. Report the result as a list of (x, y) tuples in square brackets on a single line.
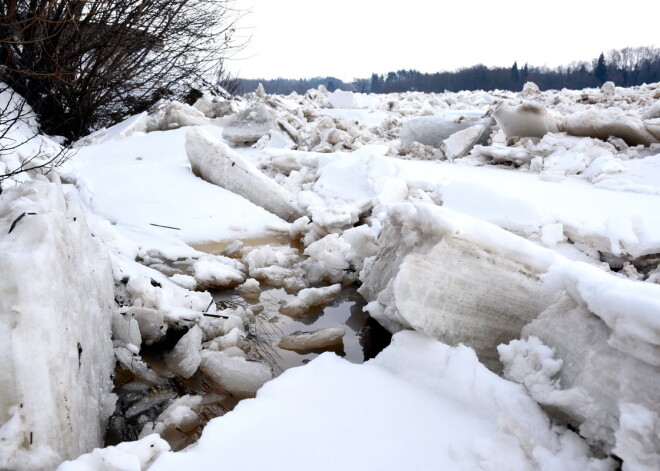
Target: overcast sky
[(354, 38)]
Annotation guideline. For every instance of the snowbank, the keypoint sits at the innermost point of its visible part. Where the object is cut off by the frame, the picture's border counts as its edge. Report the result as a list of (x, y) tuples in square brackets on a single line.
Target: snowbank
[(56, 306), (419, 402)]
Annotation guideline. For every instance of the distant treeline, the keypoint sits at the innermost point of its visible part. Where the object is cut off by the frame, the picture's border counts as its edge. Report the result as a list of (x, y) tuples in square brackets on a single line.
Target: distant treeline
[(625, 67)]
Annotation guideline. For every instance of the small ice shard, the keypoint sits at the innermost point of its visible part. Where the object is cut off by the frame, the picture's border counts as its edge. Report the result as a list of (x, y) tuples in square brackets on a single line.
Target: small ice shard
[(460, 143), (182, 416), (250, 289), (185, 357), (310, 298), (151, 321), (136, 365), (235, 375), (250, 125), (215, 162), (321, 339), (529, 89), (608, 89)]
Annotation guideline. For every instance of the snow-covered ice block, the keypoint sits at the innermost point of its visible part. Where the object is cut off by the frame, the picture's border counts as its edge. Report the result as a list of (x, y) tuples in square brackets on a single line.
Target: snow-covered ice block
[(56, 308), (217, 163), (454, 278), (250, 289), (235, 375), (214, 271), (302, 342), (185, 357), (310, 298), (525, 120), (444, 410), (433, 130), (342, 99), (249, 125), (608, 89)]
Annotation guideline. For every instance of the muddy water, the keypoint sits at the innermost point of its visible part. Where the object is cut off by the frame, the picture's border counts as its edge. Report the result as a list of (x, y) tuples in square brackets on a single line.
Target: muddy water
[(363, 335), (141, 403)]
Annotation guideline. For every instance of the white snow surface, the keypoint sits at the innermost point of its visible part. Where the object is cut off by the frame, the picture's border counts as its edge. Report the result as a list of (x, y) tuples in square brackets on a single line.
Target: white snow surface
[(413, 399), (143, 182)]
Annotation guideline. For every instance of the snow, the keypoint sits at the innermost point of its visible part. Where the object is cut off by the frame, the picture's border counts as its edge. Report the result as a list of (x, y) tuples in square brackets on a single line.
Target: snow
[(527, 252), (141, 181), (56, 306), (127, 456), (412, 398)]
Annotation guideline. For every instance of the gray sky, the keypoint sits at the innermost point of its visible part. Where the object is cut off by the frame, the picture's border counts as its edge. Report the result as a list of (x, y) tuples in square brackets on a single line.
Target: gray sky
[(354, 38)]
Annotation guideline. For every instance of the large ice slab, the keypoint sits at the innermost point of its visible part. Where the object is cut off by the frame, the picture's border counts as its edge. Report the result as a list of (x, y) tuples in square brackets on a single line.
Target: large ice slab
[(433, 130), (216, 162), (454, 278), (56, 306)]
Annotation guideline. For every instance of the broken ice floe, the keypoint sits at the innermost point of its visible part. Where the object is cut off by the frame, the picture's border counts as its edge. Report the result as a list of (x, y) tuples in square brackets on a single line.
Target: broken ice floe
[(248, 126), (235, 375), (433, 130), (216, 162), (434, 273), (585, 379), (310, 298)]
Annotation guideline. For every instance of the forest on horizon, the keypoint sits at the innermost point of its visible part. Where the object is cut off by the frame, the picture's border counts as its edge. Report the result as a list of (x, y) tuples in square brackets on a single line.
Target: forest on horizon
[(625, 67)]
